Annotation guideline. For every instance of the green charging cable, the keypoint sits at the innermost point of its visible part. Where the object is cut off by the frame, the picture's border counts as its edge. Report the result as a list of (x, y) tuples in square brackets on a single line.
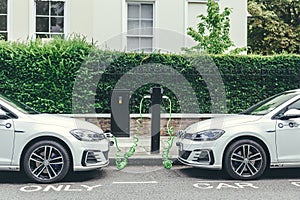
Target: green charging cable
[(122, 163), (169, 142)]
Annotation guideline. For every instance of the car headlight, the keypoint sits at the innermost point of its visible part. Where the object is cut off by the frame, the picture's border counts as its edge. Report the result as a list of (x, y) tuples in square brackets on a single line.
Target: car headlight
[(207, 135), (87, 135)]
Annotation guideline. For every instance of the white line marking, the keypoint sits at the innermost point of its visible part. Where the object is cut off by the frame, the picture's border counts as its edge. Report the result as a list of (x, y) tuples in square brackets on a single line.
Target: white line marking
[(221, 181), (151, 182)]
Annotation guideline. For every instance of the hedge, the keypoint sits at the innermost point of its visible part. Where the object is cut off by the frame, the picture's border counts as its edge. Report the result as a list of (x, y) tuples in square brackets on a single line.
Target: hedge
[(73, 76)]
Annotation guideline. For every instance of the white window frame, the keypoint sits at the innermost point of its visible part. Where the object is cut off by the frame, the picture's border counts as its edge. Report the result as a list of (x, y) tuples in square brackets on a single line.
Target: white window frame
[(125, 4), (7, 20), (32, 19)]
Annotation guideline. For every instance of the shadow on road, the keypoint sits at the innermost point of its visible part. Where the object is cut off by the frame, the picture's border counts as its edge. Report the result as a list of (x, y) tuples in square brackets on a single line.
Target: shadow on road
[(20, 178), (220, 175)]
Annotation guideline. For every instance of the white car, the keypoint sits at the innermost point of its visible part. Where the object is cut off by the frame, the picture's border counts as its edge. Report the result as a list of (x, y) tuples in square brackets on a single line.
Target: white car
[(244, 145), (46, 147)]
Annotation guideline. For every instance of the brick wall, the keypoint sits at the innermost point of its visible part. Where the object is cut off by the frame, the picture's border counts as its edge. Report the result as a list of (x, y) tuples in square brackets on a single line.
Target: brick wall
[(178, 121)]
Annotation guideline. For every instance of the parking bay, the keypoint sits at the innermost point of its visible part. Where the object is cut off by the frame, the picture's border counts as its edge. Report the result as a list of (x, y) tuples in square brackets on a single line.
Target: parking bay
[(148, 182)]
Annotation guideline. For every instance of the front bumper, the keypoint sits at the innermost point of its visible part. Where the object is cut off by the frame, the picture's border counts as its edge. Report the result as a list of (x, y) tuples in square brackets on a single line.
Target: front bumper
[(197, 154), (92, 155), (198, 157)]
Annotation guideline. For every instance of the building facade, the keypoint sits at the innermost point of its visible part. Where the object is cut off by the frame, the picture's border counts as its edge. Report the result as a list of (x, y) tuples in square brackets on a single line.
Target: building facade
[(126, 25)]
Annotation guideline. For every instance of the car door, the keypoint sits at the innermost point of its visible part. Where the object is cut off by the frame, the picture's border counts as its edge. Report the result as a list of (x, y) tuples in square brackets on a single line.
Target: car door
[(288, 137), (7, 140)]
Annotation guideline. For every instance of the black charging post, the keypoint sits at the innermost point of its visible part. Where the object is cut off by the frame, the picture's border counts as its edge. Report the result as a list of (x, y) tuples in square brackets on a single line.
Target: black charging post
[(156, 97), (120, 116)]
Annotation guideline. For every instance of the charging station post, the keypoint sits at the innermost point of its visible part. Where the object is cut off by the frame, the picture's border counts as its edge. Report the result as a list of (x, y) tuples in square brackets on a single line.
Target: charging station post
[(120, 118), (156, 98)]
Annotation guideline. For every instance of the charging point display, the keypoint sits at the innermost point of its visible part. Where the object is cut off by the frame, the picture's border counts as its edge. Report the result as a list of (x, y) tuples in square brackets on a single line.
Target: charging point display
[(120, 118)]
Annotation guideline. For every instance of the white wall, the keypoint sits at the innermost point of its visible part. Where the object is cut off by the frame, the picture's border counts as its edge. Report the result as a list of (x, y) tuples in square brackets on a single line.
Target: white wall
[(238, 20), (105, 21), (80, 17), (18, 19)]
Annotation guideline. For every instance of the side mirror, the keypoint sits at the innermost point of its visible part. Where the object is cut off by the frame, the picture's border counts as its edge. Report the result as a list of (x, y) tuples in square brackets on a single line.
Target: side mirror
[(292, 113), (3, 115)]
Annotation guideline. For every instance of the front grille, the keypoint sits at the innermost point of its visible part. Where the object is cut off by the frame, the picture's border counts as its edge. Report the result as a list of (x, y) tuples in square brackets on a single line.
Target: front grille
[(184, 154), (203, 156), (91, 157)]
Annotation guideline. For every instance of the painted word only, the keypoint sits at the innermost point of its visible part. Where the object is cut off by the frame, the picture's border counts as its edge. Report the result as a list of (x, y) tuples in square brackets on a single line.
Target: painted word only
[(58, 188)]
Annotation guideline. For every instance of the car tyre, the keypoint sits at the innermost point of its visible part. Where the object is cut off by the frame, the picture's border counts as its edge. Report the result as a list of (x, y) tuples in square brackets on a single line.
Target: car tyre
[(46, 162), (245, 160)]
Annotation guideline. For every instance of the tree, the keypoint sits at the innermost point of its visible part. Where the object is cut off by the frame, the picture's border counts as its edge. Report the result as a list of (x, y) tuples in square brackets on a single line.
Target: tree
[(274, 26), (213, 30)]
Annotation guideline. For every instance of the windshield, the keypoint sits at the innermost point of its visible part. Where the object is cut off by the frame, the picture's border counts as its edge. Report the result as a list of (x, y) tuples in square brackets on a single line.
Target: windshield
[(18, 105), (266, 106)]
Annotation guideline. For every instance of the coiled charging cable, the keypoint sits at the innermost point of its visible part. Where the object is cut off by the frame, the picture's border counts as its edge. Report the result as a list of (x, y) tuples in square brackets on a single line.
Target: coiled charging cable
[(121, 163), (169, 142)]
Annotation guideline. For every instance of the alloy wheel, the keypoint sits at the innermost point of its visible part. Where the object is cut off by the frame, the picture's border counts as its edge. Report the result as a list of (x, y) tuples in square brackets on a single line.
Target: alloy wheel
[(46, 162), (246, 160)]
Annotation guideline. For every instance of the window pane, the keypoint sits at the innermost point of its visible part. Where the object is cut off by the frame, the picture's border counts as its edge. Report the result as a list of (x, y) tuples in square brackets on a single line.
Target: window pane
[(42, 8), (133, 27), (57, 24), (3, 23), (3, 6), (132, 43), (147, 28), (133, 11), (42, 24), (57, 8), (146, 44), (147, 11), (3, 36)]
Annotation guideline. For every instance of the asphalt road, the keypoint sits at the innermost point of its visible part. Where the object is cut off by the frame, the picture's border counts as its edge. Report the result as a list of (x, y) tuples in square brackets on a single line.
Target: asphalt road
[(154, 182)]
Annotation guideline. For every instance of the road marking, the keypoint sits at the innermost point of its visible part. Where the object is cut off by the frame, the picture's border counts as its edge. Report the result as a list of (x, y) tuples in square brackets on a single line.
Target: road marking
[(147, 182), (224, 184), (223, 181), (58, 188)]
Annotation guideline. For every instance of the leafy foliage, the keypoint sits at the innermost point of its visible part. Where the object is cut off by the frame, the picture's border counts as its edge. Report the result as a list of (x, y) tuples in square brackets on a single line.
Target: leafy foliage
[(49, 76), (274, 26), (42, 74), (213, 30)]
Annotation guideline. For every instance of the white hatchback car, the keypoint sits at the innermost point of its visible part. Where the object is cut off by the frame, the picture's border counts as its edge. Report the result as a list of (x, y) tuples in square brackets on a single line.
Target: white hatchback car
[(244, 145), (46, 147)]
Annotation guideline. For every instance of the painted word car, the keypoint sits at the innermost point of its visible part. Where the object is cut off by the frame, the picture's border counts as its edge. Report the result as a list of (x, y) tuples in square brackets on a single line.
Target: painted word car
[(244, 145), (46, 147)]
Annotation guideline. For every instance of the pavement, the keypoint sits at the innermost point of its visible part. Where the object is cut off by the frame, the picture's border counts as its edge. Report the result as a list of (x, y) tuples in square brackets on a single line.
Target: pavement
[(143, 155)]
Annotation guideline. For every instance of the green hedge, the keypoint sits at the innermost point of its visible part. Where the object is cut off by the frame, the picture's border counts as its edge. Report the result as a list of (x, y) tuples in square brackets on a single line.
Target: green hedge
[(72, 76)]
